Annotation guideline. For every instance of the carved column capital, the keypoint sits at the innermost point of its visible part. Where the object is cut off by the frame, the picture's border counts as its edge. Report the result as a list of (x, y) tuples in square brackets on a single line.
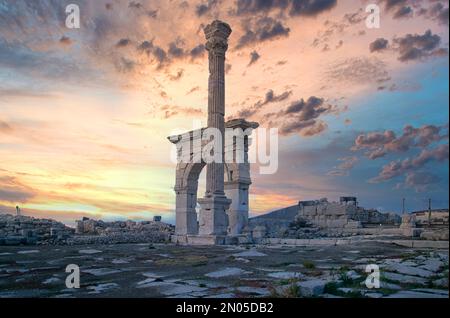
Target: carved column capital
[(217, 46), (217, 34)]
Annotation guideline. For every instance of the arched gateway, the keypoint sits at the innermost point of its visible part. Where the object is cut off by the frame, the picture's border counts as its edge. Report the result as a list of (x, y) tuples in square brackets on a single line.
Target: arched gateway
[(224, 209), (236, 187)]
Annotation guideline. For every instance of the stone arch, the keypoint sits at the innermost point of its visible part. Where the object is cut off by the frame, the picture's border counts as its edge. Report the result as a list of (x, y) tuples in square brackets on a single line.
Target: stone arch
[(236, 182), (187, 177)]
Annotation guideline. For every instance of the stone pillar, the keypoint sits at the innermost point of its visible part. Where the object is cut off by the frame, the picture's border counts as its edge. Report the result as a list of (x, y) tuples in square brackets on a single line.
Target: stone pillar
[(216, 34), (238, 211), (186, 215), (238, 184), (213, 218)]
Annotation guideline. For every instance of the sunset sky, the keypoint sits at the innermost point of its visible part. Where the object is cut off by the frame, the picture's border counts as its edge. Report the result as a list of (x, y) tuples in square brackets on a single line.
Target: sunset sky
[(85, 113)]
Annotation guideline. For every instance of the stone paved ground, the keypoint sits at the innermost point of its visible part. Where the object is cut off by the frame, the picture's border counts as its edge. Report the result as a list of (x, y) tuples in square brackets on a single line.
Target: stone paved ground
[(145, 270)]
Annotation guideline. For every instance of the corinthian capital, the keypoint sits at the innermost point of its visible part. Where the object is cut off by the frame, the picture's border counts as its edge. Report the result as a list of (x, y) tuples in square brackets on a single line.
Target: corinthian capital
[(217, 34)]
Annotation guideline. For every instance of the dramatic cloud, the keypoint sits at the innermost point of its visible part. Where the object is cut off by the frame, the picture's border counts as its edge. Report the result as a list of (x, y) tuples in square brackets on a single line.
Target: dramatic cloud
[(198, 51), (416, 47), (5, 127), (65, 40), (437, 12), (177, 76), (357, 70), (399, 8), (13, 191), (193, 89), (380, 144), (270, 97), (134, 70), (205, 8), (172, 111), (250, 7), (293, 7), (343, 169), (302, 117), (420, 180), (262, 30), (135, 5), (398, 168), (254, 56), (311, 7), (379, 44), (123, 42), (403, 12)]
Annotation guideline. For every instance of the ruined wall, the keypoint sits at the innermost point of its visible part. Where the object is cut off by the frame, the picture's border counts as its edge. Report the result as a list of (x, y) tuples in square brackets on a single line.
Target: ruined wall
[(437, 218), (326, 214), (272, 223)]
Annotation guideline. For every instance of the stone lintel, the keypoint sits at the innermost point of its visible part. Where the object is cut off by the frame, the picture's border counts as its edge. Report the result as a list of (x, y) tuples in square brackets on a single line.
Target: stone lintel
[(233, 123), (241, 123), (234, 183)]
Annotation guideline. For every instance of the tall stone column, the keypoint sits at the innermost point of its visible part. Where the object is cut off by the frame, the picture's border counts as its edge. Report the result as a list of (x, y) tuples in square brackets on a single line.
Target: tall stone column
[(213, 218)]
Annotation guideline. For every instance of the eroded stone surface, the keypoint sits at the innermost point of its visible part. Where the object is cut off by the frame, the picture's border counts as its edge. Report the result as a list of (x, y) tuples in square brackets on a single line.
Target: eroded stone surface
[(409, 270)]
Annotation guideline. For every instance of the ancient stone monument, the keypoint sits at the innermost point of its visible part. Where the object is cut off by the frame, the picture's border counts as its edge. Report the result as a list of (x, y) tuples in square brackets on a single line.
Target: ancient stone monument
[(224, 208)]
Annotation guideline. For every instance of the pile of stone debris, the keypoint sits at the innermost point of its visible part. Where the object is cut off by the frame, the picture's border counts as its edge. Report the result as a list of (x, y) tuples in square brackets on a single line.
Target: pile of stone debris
[(20, 229), (89, 231), (302, 228)]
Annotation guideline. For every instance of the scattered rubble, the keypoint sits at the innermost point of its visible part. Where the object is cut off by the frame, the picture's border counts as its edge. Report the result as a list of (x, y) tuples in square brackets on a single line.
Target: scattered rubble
[(26, 230), (91, 231)]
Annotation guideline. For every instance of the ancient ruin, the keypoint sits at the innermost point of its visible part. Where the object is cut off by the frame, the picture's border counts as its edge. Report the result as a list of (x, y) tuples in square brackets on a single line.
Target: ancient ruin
[(26, 230), (322, 218), (224, 208)]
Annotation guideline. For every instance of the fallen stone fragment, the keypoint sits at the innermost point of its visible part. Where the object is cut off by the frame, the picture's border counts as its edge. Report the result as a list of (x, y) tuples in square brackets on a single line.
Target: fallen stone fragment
[(432, 291), (251, 253), (433, 265), (119, 261), (52, 281), (101, 271), (89, 251), (409, 270), (331, 296), (414, 294), (441, 282), (353, 275), (28, 252), (253, 290), (286, 275), (405, 279), (176, 289), (346, 290), (100, 288), (225, 295), (373, 295), (228, 271), (312, 287)]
